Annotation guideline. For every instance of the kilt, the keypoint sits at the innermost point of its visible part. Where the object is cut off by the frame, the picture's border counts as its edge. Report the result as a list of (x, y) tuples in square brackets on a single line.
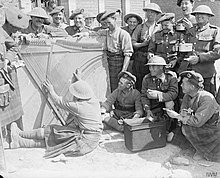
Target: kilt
[(14, 110), (115, 65), (205, 139), (139, 68), (69, 141)]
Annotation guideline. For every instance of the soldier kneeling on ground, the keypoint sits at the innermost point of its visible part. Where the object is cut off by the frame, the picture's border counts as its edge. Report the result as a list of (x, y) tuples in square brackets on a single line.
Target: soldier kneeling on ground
[(159, 90)]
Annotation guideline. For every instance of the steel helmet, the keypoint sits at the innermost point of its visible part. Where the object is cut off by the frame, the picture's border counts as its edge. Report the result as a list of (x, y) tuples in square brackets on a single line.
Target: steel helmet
[(203, 9), (38, 12), (81, 90), (156, 61), (153, 6)]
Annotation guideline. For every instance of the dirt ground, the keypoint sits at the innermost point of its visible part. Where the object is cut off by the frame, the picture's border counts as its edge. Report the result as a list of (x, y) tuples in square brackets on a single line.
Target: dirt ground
[(110, 160)]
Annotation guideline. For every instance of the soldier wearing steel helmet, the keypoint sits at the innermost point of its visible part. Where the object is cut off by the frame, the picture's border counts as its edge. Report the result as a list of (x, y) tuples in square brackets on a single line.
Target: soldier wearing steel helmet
[(37, 28), (159, 89), (140, 41), (206, 40), (82, 131)]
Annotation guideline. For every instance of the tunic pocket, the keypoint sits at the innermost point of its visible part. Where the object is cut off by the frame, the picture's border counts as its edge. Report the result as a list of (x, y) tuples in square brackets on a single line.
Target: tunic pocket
[(205, 43), (4, 95)]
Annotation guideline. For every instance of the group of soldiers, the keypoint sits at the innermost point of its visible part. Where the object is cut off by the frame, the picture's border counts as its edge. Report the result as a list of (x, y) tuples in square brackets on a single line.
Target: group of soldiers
[(145, 59)]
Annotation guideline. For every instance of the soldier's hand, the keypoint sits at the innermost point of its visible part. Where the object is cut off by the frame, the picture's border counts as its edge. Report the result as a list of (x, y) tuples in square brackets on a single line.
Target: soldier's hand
[(187, 23), (152, 94), (192, 59), (150, 55), (172, 64), (48, 86), (76, 76), (42, 35), (81, 35)]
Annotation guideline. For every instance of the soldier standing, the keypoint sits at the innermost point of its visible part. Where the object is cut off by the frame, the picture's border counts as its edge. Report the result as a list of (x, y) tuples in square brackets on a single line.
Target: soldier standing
[(10, 100), (79, 23), (117, 45), (206, 40), (186, 6), (37, 28), (140, 41), (57, 16), (164, 42)]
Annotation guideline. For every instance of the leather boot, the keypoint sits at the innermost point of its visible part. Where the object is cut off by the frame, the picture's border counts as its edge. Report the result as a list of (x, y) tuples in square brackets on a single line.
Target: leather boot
[(35, 134), (17, 141)]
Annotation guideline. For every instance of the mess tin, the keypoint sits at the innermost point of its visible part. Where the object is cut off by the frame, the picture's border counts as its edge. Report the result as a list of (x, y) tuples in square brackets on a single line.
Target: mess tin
[(185, 47)]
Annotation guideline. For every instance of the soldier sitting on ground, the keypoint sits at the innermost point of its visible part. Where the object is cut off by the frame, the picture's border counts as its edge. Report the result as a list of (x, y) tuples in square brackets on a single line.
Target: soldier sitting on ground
[(159, 90), (79, 136), (126, 101)]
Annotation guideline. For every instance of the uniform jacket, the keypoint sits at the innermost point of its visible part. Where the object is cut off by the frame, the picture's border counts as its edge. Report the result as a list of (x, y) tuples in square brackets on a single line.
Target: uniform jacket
[(168, 88), (45, 29), (87, 114), (131, 101), (163, 44), (10, 99), (141, 32), (62, 25), (127, 29), (72, 30), (207, 46), (201, 128)]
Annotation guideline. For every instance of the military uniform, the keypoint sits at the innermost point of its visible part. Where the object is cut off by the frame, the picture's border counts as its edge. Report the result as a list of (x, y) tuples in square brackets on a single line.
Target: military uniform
[(207, 47), (201, 128), (10, 99), (72, 30), (142, 35), (164, 45), (126, 103), (46, 29), (139, 35), (168, 89)]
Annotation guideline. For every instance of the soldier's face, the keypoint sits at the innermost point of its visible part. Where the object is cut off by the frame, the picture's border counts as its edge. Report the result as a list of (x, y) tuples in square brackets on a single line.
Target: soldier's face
[(89, 21), (150, 15), (155, 70), (53, 3), (57, 18), (123, 84), (132, 22), (186, 85), (111, 23), (186, 6), (79, 20), (37, 21), (167, 25), (103, 24), (202, 18)]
